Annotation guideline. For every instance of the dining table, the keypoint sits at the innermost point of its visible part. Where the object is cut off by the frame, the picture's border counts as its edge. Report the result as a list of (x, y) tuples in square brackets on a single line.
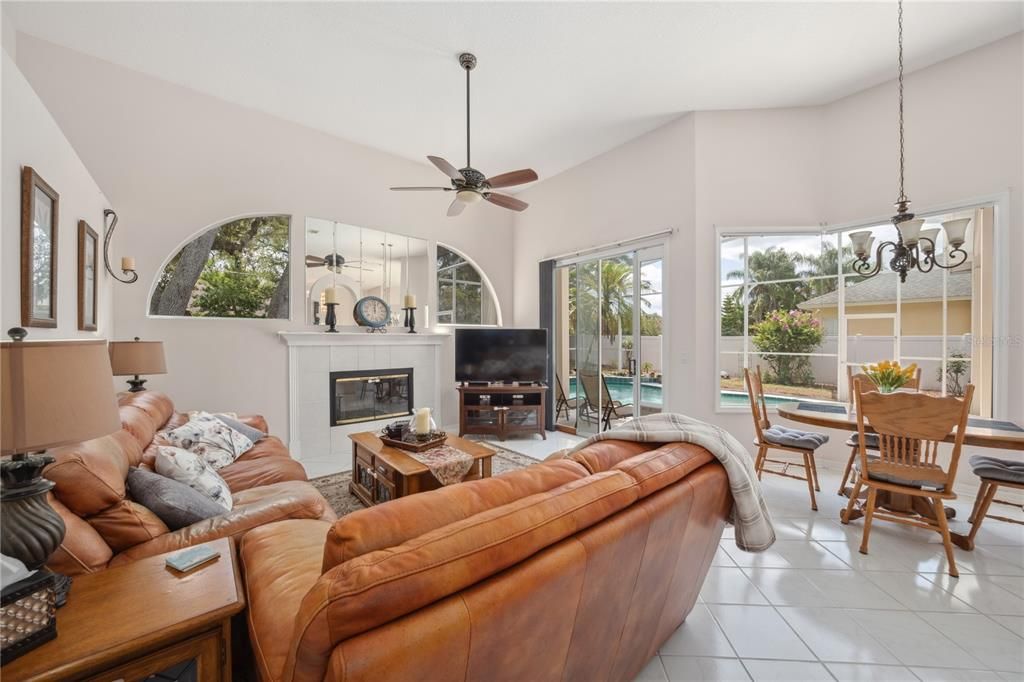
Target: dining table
[(998, 434)]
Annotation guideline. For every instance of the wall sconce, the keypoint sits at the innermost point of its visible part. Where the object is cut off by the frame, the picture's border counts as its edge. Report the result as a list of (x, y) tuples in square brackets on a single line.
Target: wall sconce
[(127, 262)]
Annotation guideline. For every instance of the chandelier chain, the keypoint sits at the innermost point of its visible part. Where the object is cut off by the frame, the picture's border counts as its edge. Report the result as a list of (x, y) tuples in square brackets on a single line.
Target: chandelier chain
[(899, 77)]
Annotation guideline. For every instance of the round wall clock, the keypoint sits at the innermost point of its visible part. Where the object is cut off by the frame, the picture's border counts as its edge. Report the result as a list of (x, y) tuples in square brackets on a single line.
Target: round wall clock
[(372, 312)]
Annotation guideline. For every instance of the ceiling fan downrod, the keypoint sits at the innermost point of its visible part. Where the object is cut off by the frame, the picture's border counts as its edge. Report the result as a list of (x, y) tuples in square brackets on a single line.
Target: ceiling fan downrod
[(468, 62)]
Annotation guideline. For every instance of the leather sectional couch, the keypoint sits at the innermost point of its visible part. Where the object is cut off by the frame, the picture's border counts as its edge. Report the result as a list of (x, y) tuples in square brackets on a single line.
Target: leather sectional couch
[(571, 569), (105, 527)]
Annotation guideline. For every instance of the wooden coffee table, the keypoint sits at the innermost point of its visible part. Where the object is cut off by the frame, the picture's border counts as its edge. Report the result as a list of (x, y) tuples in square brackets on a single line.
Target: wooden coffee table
[(381, 473)]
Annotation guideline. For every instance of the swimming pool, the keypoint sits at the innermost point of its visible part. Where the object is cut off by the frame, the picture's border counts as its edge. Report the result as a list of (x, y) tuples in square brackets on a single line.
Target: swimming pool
[(621, 389)]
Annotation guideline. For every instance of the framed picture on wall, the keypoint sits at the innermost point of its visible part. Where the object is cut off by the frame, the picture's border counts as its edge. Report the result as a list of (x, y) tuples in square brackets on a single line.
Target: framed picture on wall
[(39, 211), (88, 254)]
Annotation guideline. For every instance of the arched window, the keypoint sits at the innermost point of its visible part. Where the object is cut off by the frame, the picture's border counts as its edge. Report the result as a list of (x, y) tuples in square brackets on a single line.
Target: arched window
[(236, 269), (464, 296)]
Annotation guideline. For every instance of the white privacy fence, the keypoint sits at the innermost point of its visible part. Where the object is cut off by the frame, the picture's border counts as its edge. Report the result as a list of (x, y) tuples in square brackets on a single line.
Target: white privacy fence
[(860, 350), (650, 351)]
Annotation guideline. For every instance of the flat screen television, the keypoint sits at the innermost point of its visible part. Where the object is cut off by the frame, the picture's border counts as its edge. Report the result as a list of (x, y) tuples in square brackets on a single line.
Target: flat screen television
[(501, 355)]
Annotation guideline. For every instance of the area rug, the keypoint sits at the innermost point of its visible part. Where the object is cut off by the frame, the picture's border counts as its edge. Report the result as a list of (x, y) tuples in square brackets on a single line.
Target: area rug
[(334, 487)]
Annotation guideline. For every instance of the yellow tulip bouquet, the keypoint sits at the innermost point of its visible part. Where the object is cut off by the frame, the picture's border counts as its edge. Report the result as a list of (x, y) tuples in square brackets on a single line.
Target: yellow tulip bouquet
[(889, 376)]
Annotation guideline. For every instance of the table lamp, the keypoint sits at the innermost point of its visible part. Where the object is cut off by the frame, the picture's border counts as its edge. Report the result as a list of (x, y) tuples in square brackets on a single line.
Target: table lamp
[(132, 358), (53, 393)]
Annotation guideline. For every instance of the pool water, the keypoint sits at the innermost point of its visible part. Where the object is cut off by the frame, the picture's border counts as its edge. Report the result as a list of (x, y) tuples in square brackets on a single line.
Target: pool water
[(621, 389)]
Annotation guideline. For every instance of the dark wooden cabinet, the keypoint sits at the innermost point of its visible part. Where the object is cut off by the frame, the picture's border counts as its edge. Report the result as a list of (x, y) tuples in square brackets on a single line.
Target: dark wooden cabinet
[(502, 410)]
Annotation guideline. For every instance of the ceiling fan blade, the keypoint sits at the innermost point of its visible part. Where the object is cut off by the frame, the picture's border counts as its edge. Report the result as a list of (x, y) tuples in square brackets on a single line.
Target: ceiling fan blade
[(505, 201), (314, 261), (446, 168), (511, 178), (456, 207), (421, 189)]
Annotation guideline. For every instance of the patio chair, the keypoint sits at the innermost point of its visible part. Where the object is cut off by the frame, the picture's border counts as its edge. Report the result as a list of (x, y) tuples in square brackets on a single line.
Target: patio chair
[(594, 385), (788, 441), (870, 439), (910, 427), (562, 402)]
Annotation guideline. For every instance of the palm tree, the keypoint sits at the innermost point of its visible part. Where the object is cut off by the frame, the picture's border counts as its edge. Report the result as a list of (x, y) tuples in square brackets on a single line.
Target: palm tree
[(616, 303)]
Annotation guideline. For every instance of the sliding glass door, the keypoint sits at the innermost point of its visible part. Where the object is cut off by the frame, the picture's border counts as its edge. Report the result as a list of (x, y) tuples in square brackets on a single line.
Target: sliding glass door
[(608, 351)]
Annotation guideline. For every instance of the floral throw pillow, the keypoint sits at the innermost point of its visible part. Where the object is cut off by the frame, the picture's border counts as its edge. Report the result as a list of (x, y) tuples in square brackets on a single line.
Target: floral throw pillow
[(189, 468), (210, 438)]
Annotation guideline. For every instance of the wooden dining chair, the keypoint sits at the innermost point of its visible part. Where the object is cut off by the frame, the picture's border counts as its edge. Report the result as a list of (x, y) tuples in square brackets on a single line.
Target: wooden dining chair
[(910, 427), (790, 442), (871, 439), (994, 473)]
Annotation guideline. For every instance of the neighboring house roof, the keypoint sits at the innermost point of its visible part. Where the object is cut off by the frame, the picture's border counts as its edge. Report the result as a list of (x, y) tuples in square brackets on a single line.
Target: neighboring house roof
[(920, 286)]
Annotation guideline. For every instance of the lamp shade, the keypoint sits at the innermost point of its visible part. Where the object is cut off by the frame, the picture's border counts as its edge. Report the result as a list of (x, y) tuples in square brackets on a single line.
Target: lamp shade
[(137, 357), (55, 393)]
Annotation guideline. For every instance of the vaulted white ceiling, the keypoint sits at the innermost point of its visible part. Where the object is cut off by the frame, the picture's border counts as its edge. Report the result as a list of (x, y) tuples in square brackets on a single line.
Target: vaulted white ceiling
[(557, 83)]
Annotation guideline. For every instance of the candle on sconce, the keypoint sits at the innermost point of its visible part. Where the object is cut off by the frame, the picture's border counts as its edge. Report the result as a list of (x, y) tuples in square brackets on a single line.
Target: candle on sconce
[(330, 295), (127, 263), (410, 300)]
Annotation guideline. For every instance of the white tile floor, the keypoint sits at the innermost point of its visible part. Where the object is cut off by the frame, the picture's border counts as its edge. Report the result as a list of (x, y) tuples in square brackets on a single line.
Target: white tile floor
[(814, 608)]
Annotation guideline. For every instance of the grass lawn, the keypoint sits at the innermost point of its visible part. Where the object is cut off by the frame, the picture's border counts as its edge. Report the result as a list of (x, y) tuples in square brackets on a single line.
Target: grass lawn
[(816, 392)]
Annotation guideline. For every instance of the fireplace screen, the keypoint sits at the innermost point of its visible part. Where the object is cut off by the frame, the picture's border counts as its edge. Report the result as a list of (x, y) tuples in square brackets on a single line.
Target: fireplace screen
[(363, 396)]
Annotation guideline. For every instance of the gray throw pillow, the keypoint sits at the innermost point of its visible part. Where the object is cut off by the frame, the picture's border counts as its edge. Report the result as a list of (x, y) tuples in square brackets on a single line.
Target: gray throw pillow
[(174, 503), (244, 429)]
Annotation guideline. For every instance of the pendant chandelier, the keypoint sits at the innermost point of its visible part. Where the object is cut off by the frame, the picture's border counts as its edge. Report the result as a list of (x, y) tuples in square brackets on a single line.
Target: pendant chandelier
[(914, 247)]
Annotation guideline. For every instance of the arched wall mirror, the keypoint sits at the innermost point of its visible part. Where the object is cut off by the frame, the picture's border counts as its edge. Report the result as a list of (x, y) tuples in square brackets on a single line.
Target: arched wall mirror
[(360, 262)]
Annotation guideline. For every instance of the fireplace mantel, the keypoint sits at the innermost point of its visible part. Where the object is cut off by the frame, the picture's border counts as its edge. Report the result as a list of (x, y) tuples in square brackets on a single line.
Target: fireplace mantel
[(313, 355), (354, 338)]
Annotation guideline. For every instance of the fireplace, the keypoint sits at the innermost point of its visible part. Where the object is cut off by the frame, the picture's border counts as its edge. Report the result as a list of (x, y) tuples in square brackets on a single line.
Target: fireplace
[(369, 395)]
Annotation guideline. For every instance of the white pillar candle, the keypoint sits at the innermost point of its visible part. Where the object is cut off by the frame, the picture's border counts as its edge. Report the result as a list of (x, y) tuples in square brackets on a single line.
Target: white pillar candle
[(422, 420), (127, 263), (410, 301), (330, 295)]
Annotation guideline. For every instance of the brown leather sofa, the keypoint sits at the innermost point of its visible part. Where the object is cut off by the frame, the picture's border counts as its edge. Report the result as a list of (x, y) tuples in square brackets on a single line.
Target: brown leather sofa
[(572, 569), (105, 527)]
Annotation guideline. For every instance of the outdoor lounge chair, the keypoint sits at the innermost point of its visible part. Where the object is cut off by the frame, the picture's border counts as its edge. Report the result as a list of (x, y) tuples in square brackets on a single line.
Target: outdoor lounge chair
[(609, 409)]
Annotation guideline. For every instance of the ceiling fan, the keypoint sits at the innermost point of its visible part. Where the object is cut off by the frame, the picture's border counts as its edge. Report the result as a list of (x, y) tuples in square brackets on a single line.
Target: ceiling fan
[(333, 262), (469, 184)]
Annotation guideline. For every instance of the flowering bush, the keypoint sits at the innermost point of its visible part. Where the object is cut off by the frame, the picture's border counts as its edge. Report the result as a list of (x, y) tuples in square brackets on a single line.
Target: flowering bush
[(889, 376), (788, 331)]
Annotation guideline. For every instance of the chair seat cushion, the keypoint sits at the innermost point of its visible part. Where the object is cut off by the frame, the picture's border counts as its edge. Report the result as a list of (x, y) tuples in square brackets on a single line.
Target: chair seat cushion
[(870, 441), (794, 438), (896, 480), (998, 469)]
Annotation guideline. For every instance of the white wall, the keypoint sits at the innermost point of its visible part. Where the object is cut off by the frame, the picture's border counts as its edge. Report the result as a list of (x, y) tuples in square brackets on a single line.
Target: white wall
[(174, 162), (31, 137), (787, 168)]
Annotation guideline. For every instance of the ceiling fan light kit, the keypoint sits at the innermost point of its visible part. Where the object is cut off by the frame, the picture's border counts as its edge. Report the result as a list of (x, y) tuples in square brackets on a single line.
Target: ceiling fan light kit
[(470, 185), (914, 247)]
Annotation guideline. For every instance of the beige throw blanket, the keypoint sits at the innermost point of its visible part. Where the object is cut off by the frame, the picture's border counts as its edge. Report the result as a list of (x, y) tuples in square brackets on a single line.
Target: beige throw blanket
[(754, 531)]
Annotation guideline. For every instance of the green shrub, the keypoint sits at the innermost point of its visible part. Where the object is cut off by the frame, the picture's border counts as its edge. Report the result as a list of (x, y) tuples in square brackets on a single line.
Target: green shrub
[(792, 331)]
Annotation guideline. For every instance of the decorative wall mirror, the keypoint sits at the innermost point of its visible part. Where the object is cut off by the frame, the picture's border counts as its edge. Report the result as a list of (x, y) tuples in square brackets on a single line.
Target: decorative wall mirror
[(360, 262), (88, 259), (39, 216)]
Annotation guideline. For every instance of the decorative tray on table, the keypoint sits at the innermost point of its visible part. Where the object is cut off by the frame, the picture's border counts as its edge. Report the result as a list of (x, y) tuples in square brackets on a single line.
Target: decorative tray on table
[(415, 443)]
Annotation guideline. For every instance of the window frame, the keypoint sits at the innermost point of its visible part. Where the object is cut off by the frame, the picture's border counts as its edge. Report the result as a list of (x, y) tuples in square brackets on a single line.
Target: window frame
[(158, 273), (1000, 204), (486, 289)]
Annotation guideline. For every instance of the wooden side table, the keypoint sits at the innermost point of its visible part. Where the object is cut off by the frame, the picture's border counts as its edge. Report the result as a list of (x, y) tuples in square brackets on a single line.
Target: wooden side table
[(381, 473), (140, 619)]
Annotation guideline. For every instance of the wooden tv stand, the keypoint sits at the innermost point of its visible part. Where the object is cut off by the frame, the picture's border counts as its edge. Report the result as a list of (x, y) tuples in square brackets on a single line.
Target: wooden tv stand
[(502, 409)]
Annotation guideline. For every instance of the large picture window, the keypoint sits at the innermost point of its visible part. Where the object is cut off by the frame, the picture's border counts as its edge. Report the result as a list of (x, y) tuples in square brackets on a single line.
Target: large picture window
[(463, 297), (791, 304), (237, 269)]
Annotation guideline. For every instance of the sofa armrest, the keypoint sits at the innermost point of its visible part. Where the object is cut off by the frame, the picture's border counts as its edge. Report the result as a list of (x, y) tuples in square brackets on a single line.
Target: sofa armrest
[(256, 421), (253, 508)]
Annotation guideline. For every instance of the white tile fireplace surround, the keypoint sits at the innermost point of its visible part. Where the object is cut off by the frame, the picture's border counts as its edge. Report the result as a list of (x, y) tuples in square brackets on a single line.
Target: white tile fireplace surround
[(312, 356)]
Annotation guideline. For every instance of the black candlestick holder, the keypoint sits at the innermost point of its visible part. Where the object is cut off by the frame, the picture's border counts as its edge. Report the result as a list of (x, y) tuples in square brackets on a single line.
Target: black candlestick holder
[(331, 319), (410, 319)]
